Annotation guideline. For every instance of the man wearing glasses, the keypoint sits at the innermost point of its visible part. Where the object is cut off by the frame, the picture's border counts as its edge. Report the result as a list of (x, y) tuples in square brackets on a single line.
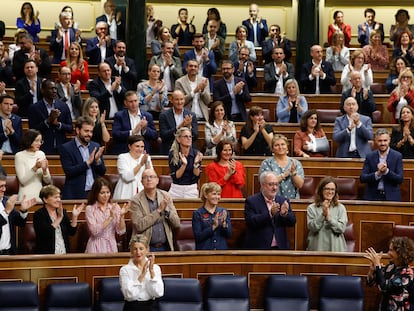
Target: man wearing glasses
[(267, 215), (153, 214)]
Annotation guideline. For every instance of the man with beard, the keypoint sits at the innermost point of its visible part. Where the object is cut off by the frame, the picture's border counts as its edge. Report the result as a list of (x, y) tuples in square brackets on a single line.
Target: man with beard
[(276, 73), (233, 92), (382, 170), (123, 66), (82, 161)]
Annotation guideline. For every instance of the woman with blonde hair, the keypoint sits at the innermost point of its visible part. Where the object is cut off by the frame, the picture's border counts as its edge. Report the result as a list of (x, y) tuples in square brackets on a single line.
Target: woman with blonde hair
[(358, 63), (241, 41), (91, 109), (376, 53), (402, 95), (291, 106), (185, 165), (338, 54), (78, 65), (163, 35)]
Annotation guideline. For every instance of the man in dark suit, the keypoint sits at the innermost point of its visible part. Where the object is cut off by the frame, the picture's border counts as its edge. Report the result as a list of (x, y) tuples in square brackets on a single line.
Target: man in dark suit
[(352, 131), (10, 218), (132, 121), (114, 20), (62, 38), (100, 47), (245, 68), (52, 118), (69, 93), (256, 26), (168, 121), (365, 29), (10, 126), (276, 40), (277, 72), (317, 76), (267, 215), (28, 88), (382, 170), (233, 92), (30, 51), (123, 66), (81, 160), (107, 90)]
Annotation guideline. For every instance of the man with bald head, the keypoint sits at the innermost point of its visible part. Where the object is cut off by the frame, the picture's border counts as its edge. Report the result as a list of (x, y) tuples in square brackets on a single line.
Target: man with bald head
[(317, 76), (153, 214), (175, 118), (101, 46)]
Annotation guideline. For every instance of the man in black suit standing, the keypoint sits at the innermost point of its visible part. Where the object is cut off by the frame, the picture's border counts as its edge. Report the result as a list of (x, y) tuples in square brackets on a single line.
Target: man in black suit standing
[(123, 66), (100, 47), (69, 93), (10, 126), (277, 72)]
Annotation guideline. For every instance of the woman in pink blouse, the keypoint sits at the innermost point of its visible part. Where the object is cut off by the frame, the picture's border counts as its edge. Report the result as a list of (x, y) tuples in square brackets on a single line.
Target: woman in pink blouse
[(104, 219), (376, 53), (77, 65)]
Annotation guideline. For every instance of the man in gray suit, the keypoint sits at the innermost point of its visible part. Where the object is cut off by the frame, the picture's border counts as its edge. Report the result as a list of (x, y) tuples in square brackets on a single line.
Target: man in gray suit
[(276, 73), (352, 131), (69, 93)]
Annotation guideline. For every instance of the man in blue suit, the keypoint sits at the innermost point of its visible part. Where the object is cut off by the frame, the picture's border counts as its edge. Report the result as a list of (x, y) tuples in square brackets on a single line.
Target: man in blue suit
[(81, 160), (132, 121), (267, 215), (256, 26), (51, 117), (62, 37), (10, 217), (352, 131), (101, 46), (10, 126), (382, 170)]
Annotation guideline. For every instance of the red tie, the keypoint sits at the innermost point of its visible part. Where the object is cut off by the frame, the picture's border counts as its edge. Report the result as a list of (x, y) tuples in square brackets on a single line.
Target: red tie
[(66, 43)]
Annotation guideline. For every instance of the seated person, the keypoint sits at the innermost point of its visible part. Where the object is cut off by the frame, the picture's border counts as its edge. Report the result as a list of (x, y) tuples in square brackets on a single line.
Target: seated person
[(241, 41), (396, 66), (291, 106)]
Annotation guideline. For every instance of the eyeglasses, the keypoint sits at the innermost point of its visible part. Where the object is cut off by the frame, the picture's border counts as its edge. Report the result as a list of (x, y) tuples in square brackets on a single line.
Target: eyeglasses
[(272, 184), (187, 136), (149, 177), (406, 77), (329, 189)]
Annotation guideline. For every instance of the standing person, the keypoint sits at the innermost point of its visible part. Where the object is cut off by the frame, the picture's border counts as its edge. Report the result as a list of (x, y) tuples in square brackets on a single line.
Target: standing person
[(32, 167), (396, 66), (29, 20), (214, 42), (78, 65), (81, 160), (310, 140), (100, 47), (213, 14), (10, 126), (6, 71), (358, 63), (185, 165), (267, 215), (153, 24), (226, 171), (402, 95), (183, 31), (396, 279), (164, 35), (365, 29), (10, 218), (153, 214), (401, 25), (104, 218), (317, 76), (256, 26), (114, 20), (383, 170), (326, 219), (218, 128), (339, 25), (376, 53), (289, 171), (277, 40), (130, 166), (52, 118), (211, 223), (291, 106), (352, 131), (52, 224), (69, 93), (402, 137), (276, 73), (256, 135), (233, 92), (246, 69), (100, 131), (141, 279), (241, 41), (338, 54), (403, 47)]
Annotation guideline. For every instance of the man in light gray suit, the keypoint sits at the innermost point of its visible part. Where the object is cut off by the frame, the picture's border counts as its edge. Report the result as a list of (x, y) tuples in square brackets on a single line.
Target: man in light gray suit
[(69, 93), (352, 132)]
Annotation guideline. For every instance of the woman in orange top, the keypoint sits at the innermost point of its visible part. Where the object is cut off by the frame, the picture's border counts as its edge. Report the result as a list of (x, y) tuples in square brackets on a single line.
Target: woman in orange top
[(77, 65)]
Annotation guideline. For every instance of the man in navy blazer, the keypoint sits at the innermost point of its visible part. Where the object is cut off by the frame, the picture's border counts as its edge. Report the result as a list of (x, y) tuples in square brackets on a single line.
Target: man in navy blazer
[(255, 24), (82, 161), (114, 20), (60, 35), (95, 45), (10, 217), (267, 215), (10, 126), (277, 72), (233, 92), (316, 73), (52, 118), (383, 170), (245, 68), (168, 121), (122, 128), (352, 131)]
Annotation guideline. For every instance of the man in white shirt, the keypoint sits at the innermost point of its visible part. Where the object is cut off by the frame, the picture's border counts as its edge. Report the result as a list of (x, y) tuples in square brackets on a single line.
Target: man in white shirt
[(214, 42), (114, 20), (69, 93), (276, 73)]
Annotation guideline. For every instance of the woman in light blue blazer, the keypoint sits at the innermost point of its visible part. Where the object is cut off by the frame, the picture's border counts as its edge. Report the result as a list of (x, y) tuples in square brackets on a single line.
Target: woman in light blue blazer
[(291, 107)]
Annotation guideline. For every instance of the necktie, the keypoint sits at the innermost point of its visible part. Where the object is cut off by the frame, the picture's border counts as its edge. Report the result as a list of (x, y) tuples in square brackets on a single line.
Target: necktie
[(66, 43)]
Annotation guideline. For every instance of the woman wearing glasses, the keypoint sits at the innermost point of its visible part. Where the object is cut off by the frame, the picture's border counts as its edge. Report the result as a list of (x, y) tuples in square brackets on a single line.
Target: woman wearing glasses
[(402, 95), (327, 219)]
